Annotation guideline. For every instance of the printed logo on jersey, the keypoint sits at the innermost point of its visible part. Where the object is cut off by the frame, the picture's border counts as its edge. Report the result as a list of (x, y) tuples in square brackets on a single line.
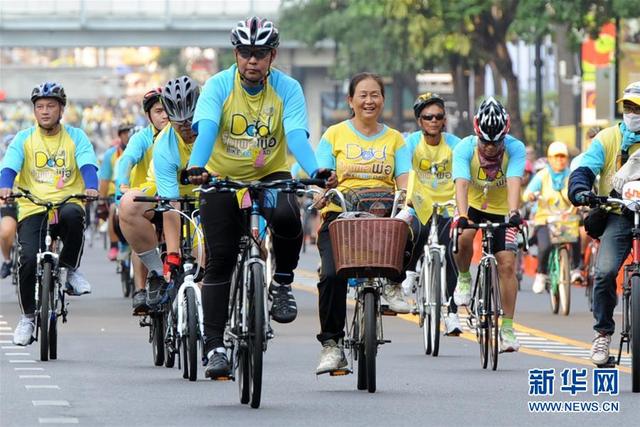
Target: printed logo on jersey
[(482, 175), (50, 170), (42, 159), (259, 133), (355, 152), (438, 170)]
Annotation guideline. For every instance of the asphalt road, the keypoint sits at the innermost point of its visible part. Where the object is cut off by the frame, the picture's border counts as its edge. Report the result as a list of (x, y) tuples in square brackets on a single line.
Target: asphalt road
[(104, 375)]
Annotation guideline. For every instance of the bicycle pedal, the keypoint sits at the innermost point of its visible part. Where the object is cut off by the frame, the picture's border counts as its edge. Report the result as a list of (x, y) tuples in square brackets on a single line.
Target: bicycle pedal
[(144, 322), (340, 372), (380, 342), (386, 311)]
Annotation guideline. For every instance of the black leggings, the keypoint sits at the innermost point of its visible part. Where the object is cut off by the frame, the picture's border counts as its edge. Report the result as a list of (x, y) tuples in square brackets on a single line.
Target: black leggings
[(222, 224), (31, 234), (544, 250)]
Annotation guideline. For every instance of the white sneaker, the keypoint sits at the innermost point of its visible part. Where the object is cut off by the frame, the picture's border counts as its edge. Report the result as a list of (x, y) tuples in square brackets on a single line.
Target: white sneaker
[(576, 276), (539, 284), (409, 283), (23, 335), (462, 293), (78, 284), (508, 341), (332, 358), (452, 324), (392, 293), (600, 348)]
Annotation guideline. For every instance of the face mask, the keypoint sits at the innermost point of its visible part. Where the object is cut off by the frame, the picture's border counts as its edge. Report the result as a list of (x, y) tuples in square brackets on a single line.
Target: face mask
[(632, 121)]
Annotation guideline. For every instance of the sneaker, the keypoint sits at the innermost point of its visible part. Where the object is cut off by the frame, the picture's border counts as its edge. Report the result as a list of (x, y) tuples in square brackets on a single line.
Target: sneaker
[(409, 283), (5, 269), (140, 307), (156, 287), (218, 364), (332, 357), (452, 324), (77, 284), (283, 308), (508, 341), (539, 283), (23, 335), (392, 293), (576, 275), (462, 293), (112, 255), (600, 348)]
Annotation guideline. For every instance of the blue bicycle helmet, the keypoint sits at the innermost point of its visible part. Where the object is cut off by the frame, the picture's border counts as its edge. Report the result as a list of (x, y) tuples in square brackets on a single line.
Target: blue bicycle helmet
[(49, 90)]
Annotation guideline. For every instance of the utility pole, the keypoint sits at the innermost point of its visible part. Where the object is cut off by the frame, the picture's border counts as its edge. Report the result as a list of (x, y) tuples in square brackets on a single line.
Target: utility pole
[(539, 113)]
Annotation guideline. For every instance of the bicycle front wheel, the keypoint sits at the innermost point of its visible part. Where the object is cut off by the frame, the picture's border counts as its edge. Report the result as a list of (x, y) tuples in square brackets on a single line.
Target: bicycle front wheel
[(192, 333), (493, 313), (635, 333), (564, 281), (157, 338), (482, 314), (256, 332), (370, 339), (124, 279), (45, 310), (435, 302), (554, 274)]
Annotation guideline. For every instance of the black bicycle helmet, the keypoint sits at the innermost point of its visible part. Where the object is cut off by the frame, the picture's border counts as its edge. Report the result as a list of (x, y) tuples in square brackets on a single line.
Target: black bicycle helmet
[(124, 127), (179, 98), (492, 122), (150, 98), (425, 100), (255, 32), (49, 90)]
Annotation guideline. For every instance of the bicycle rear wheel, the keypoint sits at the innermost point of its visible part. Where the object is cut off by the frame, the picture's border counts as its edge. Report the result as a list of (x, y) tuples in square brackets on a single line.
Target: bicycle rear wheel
[(635, 333), (169, 339), (493, 314), (591, 272), (421, 304), (370, 339), (192, 333), (434, 313), (564, 282), (45, 310), (124, 279), (157, 338), (358, 334), (256, 331)]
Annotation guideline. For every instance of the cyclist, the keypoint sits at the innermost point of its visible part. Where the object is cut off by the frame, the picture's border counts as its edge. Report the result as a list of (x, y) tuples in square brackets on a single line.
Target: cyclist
[(246, 118), (56, 161), (431, 152), (365, 154), (170, 155), (8, 227), (549, 188), (608, 152), (132, 175), (487, 169), (107, 184)]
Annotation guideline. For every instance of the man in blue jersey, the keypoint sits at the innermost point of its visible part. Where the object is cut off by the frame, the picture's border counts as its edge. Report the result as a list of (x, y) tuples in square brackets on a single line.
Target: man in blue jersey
[(246, 118)]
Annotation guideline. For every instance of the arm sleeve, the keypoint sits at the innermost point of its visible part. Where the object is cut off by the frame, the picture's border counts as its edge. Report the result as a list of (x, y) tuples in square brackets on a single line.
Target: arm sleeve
[(295, 110), (517, 159), (203, 147), (85, 155), (298, 143), (166, 171), (106, 168), (324, 155), (90, 176), (580, 180), (462, 161), (7, 177), (403, 160), (594, 157)]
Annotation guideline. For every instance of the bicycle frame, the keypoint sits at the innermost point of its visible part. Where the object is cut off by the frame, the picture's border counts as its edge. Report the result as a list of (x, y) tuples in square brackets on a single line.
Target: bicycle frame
[(433, 245)]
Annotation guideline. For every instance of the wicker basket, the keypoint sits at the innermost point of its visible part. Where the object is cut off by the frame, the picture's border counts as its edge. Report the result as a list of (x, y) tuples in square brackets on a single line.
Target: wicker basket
[(368, 247), (564, 228)]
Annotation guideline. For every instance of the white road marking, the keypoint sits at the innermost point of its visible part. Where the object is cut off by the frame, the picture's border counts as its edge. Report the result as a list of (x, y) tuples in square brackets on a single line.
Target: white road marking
[(3, 322), (6, 328), (42, 386), (61, 420), (22, 361), (6, 334), (17, 354), (6, 342), (28, 369), (50, 403), (12, 347), (35, 376)]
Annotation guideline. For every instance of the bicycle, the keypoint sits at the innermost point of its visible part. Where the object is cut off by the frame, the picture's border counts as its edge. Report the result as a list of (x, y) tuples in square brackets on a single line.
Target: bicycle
[(563, 231), (370, 250), (590, 256), (182, 317), (51, 279), (248, 329), (431, 289), (485, 307), (630, 332), (124, 269)]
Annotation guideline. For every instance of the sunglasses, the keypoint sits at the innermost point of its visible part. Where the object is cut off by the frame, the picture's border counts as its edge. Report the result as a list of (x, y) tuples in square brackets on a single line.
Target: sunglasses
[(247, 52), (429, 117), (628, 108), (183, 124)]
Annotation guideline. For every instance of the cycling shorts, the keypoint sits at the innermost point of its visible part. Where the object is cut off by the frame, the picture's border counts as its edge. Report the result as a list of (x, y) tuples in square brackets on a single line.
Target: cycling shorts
[(503, 238)]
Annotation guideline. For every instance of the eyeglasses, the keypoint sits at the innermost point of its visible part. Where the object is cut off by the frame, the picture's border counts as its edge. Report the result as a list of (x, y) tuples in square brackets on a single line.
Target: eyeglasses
[(247, 52), (628, 108), (484, 141), (429, 117), (183, 124)]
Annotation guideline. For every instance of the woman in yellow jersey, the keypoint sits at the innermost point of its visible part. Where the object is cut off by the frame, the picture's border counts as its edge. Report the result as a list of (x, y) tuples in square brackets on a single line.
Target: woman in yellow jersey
[(364, 154), (549, 187)]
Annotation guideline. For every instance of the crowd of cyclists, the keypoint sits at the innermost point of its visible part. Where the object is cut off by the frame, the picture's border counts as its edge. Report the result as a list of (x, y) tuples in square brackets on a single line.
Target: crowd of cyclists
[(241, 125)]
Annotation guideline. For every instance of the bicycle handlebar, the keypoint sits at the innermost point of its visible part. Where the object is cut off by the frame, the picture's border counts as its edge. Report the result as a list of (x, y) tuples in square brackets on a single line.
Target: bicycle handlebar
[(286, 185), (47, 204), (523, 229), (632, 205)]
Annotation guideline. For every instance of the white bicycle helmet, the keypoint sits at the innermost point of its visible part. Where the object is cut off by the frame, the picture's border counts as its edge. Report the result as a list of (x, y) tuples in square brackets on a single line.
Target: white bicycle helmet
[(492, 122), (255, 32), (179, 98)]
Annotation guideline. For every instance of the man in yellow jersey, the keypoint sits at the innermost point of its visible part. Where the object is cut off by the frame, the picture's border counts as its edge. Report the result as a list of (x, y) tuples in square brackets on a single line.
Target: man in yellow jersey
[(487, 169), (247, 117), (107, 186), (171, 152), (54, 161), (430, 181), (131, 175), (609, 151)]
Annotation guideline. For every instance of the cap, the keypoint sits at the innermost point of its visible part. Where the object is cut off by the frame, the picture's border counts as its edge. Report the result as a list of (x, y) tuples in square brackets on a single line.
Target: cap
[(631, 93), (557, 148)]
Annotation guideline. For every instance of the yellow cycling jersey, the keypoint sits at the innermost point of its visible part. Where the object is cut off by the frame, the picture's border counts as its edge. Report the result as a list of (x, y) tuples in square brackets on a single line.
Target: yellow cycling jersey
[(550, 200), (140, 171)]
